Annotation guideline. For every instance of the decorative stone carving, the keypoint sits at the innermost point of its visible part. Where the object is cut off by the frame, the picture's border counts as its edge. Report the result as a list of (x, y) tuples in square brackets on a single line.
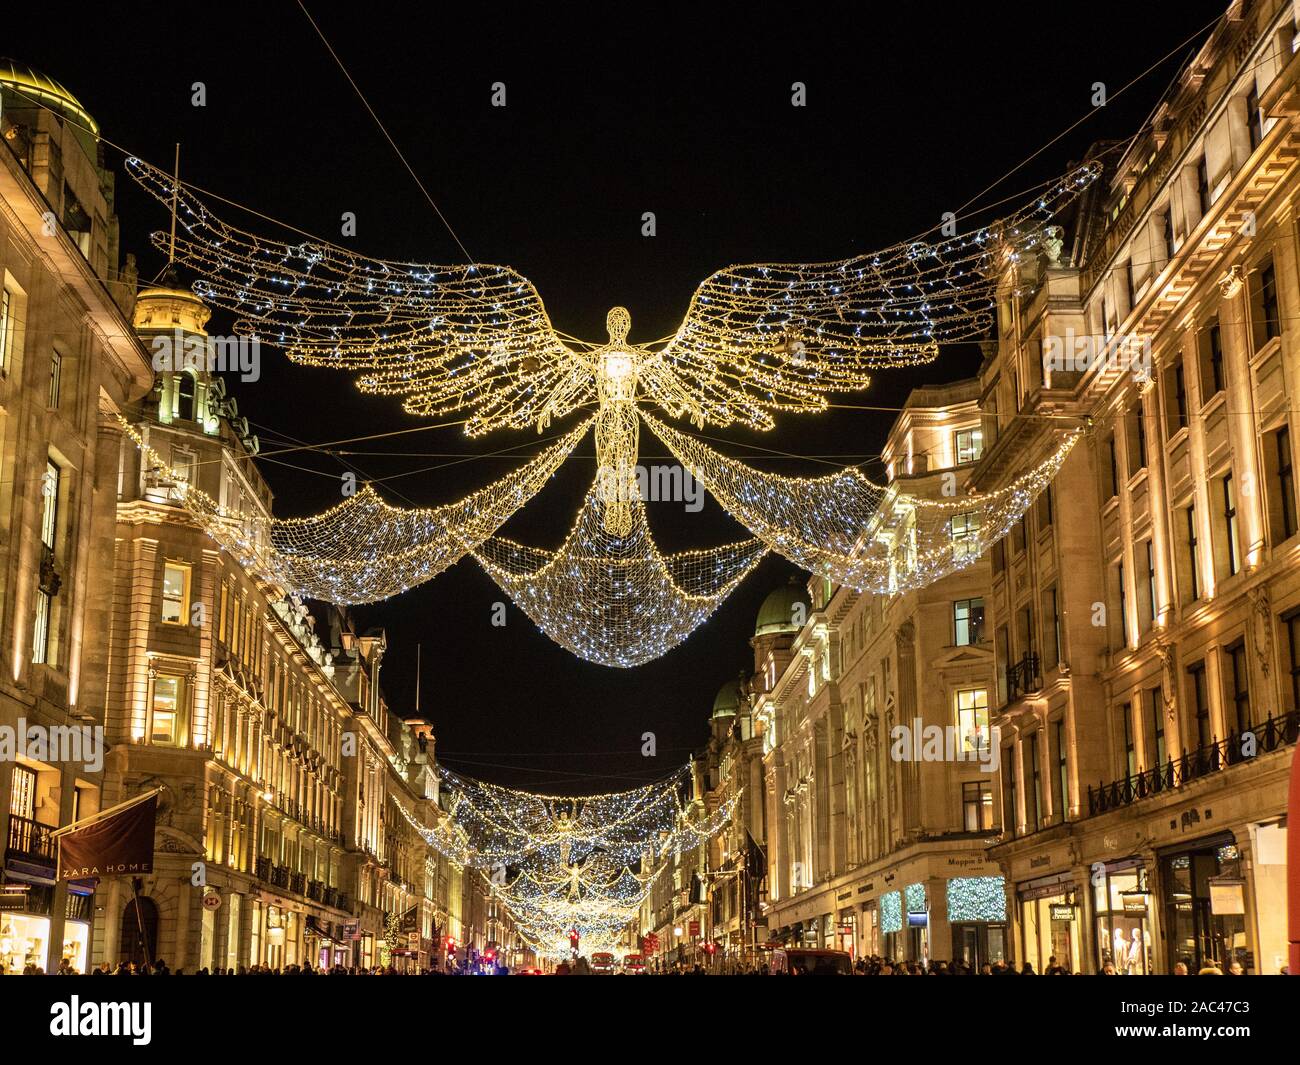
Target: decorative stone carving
[(1052, 244), (1168, 679), (1261, 612), (1231, 282)]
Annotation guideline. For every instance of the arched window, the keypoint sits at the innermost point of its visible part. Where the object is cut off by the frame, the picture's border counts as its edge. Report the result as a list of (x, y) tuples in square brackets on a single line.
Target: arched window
[(185, 386)]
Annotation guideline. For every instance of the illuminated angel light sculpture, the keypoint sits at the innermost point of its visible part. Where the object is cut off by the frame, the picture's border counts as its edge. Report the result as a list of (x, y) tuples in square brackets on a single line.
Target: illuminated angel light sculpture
[(755, 340)]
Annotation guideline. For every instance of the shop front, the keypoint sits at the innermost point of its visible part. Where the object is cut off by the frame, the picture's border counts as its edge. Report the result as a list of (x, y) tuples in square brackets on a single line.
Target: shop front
[(24, 936), (891, 926), (27, 931), (1121, 905), (977, 914), (1051, 916), (846, 932), (869, 923), (917, 904), (1203, 894)]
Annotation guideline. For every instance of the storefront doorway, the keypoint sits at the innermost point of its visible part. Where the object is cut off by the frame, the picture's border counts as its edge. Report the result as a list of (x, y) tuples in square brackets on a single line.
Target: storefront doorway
[(139, 931), (974, 945), (1205, 906), (1049, 922)]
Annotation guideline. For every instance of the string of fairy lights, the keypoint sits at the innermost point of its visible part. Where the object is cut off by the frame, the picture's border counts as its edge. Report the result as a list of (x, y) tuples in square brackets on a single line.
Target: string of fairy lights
[(616, 600), (362, 549), (563, 863), (870, 537), (755, 339)]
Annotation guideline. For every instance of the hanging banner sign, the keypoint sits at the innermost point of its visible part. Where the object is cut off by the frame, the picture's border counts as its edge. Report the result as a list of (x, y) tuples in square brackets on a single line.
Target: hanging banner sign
[(118, 842)]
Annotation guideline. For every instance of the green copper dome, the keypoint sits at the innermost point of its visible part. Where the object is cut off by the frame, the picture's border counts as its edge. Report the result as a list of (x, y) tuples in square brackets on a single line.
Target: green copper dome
[(784, 610), (727, 704)]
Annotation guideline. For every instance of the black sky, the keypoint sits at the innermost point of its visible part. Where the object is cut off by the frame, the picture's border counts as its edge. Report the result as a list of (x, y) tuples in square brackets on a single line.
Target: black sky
[(912, 109)]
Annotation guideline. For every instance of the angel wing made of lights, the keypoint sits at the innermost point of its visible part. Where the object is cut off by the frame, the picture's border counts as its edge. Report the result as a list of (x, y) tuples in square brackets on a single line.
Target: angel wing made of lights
[(755, 339)]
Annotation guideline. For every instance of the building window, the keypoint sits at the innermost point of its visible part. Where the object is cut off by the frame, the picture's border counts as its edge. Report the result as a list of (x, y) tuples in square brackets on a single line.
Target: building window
[(1112, 487), (56, 373), (51, 484), (1239, 677), (977, 805), (1137, 440), (1175, 398), (1191, 556), (970, 446), (1035, 781), (968, 621), (22, 797), (1156, 715), (1062, 770), (165, 709), (1292, 622), (1281, 477), (1231, 547), (1171, 249), (973, 721), (1254, 118), (1052, 630), (1200, 704), (6, 329), (1147, 599), (1119, 627), (965, 535), (1045, 514), (1203, 186), (1129, 747), (176, 593), (185, 386), (1266, 322), (1009, 822), (1211, 351), (41, 633)]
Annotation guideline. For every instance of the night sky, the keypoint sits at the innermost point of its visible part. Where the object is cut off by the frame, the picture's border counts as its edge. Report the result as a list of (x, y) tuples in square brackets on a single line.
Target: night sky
[(909, 113)]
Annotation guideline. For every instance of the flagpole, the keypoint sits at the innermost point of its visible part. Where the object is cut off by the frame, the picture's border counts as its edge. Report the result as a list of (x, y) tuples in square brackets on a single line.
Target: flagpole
[(83, 822)]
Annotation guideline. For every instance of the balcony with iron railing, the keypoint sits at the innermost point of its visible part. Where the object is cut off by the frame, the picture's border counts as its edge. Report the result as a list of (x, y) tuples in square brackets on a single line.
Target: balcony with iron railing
[(1214, 757), (30, 840), (1023, 677)]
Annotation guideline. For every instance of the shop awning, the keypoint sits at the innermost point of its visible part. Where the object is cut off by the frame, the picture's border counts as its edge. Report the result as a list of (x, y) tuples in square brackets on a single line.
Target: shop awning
[(315, 928)]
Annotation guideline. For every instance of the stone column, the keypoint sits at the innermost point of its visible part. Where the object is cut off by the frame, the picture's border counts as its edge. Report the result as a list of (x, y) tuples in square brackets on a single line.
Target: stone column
[(904, 639), (1234, 318)]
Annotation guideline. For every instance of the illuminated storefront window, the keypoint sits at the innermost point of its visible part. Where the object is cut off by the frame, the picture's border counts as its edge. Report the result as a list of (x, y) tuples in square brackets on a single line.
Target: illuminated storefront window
[(76, 945), (1049, 921), (24, 940), (1121, 903)]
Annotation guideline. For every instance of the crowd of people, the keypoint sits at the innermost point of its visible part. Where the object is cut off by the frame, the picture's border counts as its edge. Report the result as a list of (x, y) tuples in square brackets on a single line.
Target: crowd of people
[(867, 966)]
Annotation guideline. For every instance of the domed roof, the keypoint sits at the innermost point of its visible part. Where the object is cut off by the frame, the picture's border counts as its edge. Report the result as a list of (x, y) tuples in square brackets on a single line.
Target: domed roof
[(783, 610), (34, 87), (727, 703)]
